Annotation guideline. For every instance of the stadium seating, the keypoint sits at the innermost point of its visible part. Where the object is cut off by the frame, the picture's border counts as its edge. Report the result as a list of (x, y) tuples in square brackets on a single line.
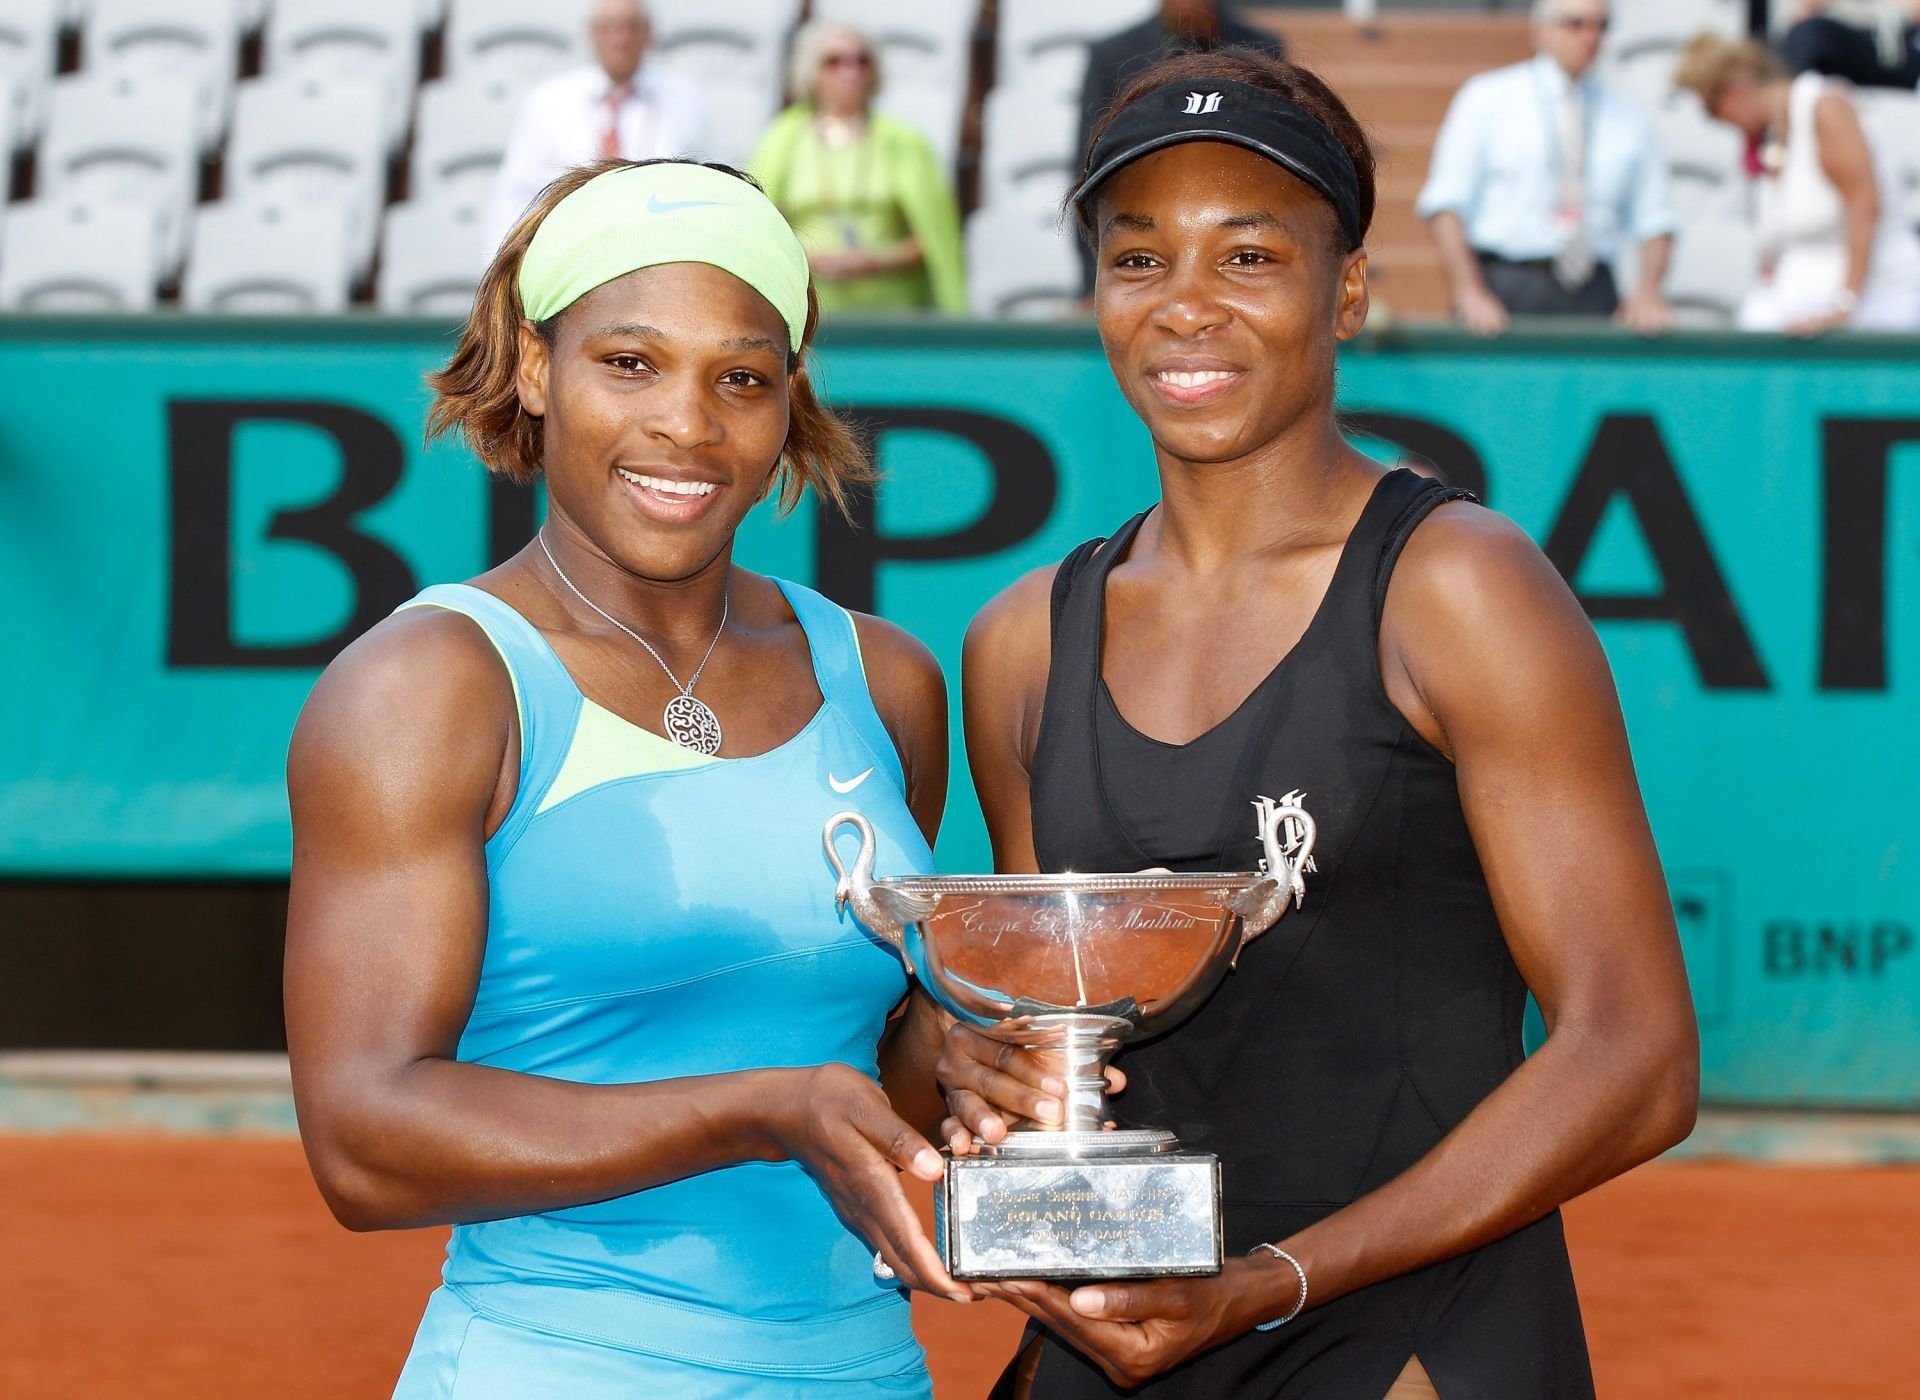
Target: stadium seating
[(9, 118), (370, 39), (1020, 264), (29, 32), (196, 40), (122, 139), (737, 53), (267, 259), (1892, 122), (1645, 39), (926, 58), (1703, 160), (76, 257), (458, 143), (305, 142), (1714, 263), (515, 39), (431, 259), (1042, 48), (1027, 157)]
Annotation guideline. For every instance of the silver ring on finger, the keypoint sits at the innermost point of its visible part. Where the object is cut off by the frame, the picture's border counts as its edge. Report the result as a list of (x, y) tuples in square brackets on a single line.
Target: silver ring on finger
[(882, 1270)]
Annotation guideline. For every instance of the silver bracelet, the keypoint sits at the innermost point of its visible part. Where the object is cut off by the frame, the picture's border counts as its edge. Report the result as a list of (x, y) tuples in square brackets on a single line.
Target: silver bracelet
[(1294, 1311)]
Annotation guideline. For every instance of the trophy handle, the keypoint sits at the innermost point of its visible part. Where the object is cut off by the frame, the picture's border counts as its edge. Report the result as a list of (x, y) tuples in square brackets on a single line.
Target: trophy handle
[(856, 886), (1288, 833)]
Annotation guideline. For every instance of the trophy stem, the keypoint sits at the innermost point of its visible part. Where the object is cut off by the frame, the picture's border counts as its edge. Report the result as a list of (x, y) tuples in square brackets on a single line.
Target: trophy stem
[(1076, 1047)]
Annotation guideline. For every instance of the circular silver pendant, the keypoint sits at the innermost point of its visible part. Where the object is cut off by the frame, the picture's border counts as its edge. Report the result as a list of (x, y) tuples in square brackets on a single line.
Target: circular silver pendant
[(691, 723)]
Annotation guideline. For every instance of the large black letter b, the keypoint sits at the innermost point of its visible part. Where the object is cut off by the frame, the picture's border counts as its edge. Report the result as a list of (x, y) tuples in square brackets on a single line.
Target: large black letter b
[(200, 445)]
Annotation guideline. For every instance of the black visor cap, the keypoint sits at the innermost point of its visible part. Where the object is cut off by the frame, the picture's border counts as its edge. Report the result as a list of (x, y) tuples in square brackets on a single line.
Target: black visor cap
[(1241, 115)]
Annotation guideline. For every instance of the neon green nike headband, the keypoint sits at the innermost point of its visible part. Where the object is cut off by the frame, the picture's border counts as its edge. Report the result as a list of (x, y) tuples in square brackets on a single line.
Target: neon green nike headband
[(670, 212)]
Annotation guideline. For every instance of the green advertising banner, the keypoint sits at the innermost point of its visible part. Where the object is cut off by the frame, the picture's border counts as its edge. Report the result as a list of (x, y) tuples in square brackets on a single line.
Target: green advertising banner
[(198, 514)]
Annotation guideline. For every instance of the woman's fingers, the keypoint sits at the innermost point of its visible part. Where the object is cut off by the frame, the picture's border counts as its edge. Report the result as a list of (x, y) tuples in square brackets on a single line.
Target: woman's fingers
[(986, 1080), (964, 1044), (913, 1256)]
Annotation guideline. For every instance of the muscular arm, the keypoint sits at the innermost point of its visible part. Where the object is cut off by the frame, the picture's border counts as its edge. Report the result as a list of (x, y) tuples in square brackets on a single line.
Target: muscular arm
[(1847, 161), (1476, 307), (1489, 654), (1003, 670), (399, 767)]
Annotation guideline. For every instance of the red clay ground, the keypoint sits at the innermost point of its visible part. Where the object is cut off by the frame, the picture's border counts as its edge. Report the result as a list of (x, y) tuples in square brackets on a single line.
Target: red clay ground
[(162, 1268)]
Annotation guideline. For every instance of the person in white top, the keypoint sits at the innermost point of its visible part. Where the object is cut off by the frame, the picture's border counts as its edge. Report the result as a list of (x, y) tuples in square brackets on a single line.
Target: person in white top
[(1834, 249), (621, 104), (1543, 181)]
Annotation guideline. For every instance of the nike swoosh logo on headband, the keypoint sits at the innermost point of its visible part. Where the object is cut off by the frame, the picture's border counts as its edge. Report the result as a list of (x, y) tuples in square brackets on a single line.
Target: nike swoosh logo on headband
[(657, 205)]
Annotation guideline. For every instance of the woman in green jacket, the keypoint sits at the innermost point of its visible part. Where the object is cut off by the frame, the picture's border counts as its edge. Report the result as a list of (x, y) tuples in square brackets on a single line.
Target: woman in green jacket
[(865, 193)]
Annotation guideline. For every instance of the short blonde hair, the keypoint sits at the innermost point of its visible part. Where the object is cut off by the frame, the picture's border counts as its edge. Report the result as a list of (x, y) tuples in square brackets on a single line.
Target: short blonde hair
[(810, 47), (1712, 62)]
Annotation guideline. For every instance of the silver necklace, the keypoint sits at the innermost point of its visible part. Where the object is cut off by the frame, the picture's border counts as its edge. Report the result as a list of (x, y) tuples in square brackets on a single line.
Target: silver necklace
[(688, 721)]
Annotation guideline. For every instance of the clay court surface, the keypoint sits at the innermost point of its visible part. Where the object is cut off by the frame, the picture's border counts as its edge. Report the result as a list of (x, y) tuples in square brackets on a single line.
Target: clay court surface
[(207, 1267)]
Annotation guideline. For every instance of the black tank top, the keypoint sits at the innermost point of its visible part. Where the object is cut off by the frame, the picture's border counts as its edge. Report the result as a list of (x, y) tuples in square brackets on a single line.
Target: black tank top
[(1354, 1034)]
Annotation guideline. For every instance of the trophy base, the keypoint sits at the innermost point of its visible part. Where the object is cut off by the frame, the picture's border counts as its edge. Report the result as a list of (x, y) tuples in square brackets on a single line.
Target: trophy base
[(1137, 1210)]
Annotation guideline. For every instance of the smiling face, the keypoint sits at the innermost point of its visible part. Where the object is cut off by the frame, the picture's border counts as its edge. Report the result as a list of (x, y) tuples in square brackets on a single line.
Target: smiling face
[(664, 400), (1221, 296)]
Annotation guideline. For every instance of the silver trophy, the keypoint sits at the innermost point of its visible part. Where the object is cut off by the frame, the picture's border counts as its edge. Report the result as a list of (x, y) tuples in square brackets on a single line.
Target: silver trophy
[(1071, 967)]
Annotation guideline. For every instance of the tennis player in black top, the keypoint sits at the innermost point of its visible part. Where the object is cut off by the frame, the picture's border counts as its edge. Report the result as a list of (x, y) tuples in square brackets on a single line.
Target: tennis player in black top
[(1291, 615)]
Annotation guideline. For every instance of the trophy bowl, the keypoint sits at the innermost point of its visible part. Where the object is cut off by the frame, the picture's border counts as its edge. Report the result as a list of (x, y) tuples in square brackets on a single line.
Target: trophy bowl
[(1071, 967)]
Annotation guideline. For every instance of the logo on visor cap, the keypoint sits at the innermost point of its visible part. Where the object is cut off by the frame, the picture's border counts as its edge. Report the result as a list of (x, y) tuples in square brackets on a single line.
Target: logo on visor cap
[(1200, 103)]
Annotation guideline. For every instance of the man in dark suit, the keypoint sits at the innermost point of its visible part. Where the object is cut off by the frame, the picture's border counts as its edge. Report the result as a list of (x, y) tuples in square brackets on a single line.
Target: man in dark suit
[(1115, 60)]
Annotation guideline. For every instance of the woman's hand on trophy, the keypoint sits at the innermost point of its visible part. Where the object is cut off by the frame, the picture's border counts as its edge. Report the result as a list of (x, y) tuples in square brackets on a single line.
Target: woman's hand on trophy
[(838, 1124), (989, 1082), (1135, 1329)]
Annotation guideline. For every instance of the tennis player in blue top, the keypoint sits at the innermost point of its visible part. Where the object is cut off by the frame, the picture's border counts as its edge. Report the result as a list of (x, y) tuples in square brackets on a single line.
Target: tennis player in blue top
[(563, 964)]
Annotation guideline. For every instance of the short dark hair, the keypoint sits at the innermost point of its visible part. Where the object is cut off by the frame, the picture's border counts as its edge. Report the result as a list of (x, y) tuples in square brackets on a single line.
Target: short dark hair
[(1304, 88)]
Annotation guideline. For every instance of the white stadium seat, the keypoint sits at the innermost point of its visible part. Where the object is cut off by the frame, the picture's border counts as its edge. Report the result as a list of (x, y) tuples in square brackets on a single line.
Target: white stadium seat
[(1020, 265), (1892, 122), (301, 141), (1041, 46), (370, 39), (1714, 263), (267, 260), (29, 37), (126, 140), (460, 138), (1028, 159), (519, 39), (76, 257), (1703, 160), (194, 40), (736, 52), (9, 117), (926, 57), (742, 40), (431, 258)]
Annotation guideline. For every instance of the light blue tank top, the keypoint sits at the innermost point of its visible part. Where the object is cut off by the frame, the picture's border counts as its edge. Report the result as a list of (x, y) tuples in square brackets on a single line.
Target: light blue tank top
[(654, 913)]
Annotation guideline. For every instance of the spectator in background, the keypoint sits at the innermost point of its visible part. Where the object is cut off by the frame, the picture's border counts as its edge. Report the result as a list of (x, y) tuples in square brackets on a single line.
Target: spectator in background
[(865, 193), (1543, 179), (1834, 252), (618, 105), (1180, 26), (1818, 44)]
